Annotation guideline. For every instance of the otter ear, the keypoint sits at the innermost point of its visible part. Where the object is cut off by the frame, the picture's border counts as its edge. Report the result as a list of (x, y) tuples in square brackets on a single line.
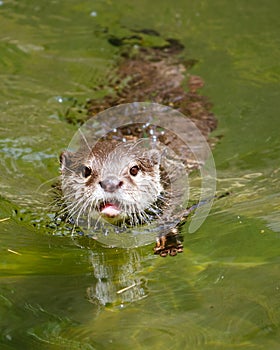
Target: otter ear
[(64, 159), (154, 156)]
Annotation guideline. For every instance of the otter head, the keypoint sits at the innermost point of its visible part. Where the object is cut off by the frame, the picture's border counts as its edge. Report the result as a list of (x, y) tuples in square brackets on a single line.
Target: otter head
[(117, 181)]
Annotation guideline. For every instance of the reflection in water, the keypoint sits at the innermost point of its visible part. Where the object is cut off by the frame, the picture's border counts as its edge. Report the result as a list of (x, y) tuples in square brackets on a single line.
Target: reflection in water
[(117, 282), (118, 273)]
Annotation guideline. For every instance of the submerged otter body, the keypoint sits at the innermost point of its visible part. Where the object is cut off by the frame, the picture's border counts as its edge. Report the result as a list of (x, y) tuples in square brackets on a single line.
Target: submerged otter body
[(126, 183)]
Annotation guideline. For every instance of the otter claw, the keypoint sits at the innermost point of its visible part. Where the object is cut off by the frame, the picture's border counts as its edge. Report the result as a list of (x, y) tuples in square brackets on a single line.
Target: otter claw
[(163, 254), (173, 251)]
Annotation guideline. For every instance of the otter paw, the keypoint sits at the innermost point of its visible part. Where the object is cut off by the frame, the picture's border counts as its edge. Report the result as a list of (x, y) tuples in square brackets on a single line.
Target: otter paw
[(167, 246)]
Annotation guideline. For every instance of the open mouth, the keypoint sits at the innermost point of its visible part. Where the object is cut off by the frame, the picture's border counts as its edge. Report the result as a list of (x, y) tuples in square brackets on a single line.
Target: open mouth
[(110, 209)]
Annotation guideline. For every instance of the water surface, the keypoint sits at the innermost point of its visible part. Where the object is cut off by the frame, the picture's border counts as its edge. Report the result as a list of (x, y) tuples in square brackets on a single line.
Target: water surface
[(223, 292)]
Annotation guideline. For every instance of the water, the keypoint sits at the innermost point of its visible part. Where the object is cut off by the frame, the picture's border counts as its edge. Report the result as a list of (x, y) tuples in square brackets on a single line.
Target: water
[(223, 291)]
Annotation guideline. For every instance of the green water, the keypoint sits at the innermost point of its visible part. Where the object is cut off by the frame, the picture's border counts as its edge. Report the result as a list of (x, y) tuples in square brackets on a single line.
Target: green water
[(223, 292)]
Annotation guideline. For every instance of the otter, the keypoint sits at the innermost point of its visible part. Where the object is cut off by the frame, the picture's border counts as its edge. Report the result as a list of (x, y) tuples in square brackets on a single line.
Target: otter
[(126, 183)]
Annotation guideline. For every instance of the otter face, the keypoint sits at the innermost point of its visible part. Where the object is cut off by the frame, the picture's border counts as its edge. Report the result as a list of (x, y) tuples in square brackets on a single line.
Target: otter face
[(120, 184)]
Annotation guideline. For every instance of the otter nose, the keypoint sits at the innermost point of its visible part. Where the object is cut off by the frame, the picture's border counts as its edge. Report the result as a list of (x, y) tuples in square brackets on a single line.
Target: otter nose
[(110, 184)]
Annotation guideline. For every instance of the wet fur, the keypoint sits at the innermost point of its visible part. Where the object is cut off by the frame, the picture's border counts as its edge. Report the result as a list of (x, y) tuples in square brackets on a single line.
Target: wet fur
[(138, 197)]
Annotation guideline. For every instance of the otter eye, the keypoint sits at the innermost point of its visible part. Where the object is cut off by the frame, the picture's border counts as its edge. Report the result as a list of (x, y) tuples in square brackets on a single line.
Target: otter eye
[(86, 171), (134, 170)]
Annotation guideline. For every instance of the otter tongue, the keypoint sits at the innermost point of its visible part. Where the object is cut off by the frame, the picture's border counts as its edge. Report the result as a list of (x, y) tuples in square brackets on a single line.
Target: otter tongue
[(111, 210)]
